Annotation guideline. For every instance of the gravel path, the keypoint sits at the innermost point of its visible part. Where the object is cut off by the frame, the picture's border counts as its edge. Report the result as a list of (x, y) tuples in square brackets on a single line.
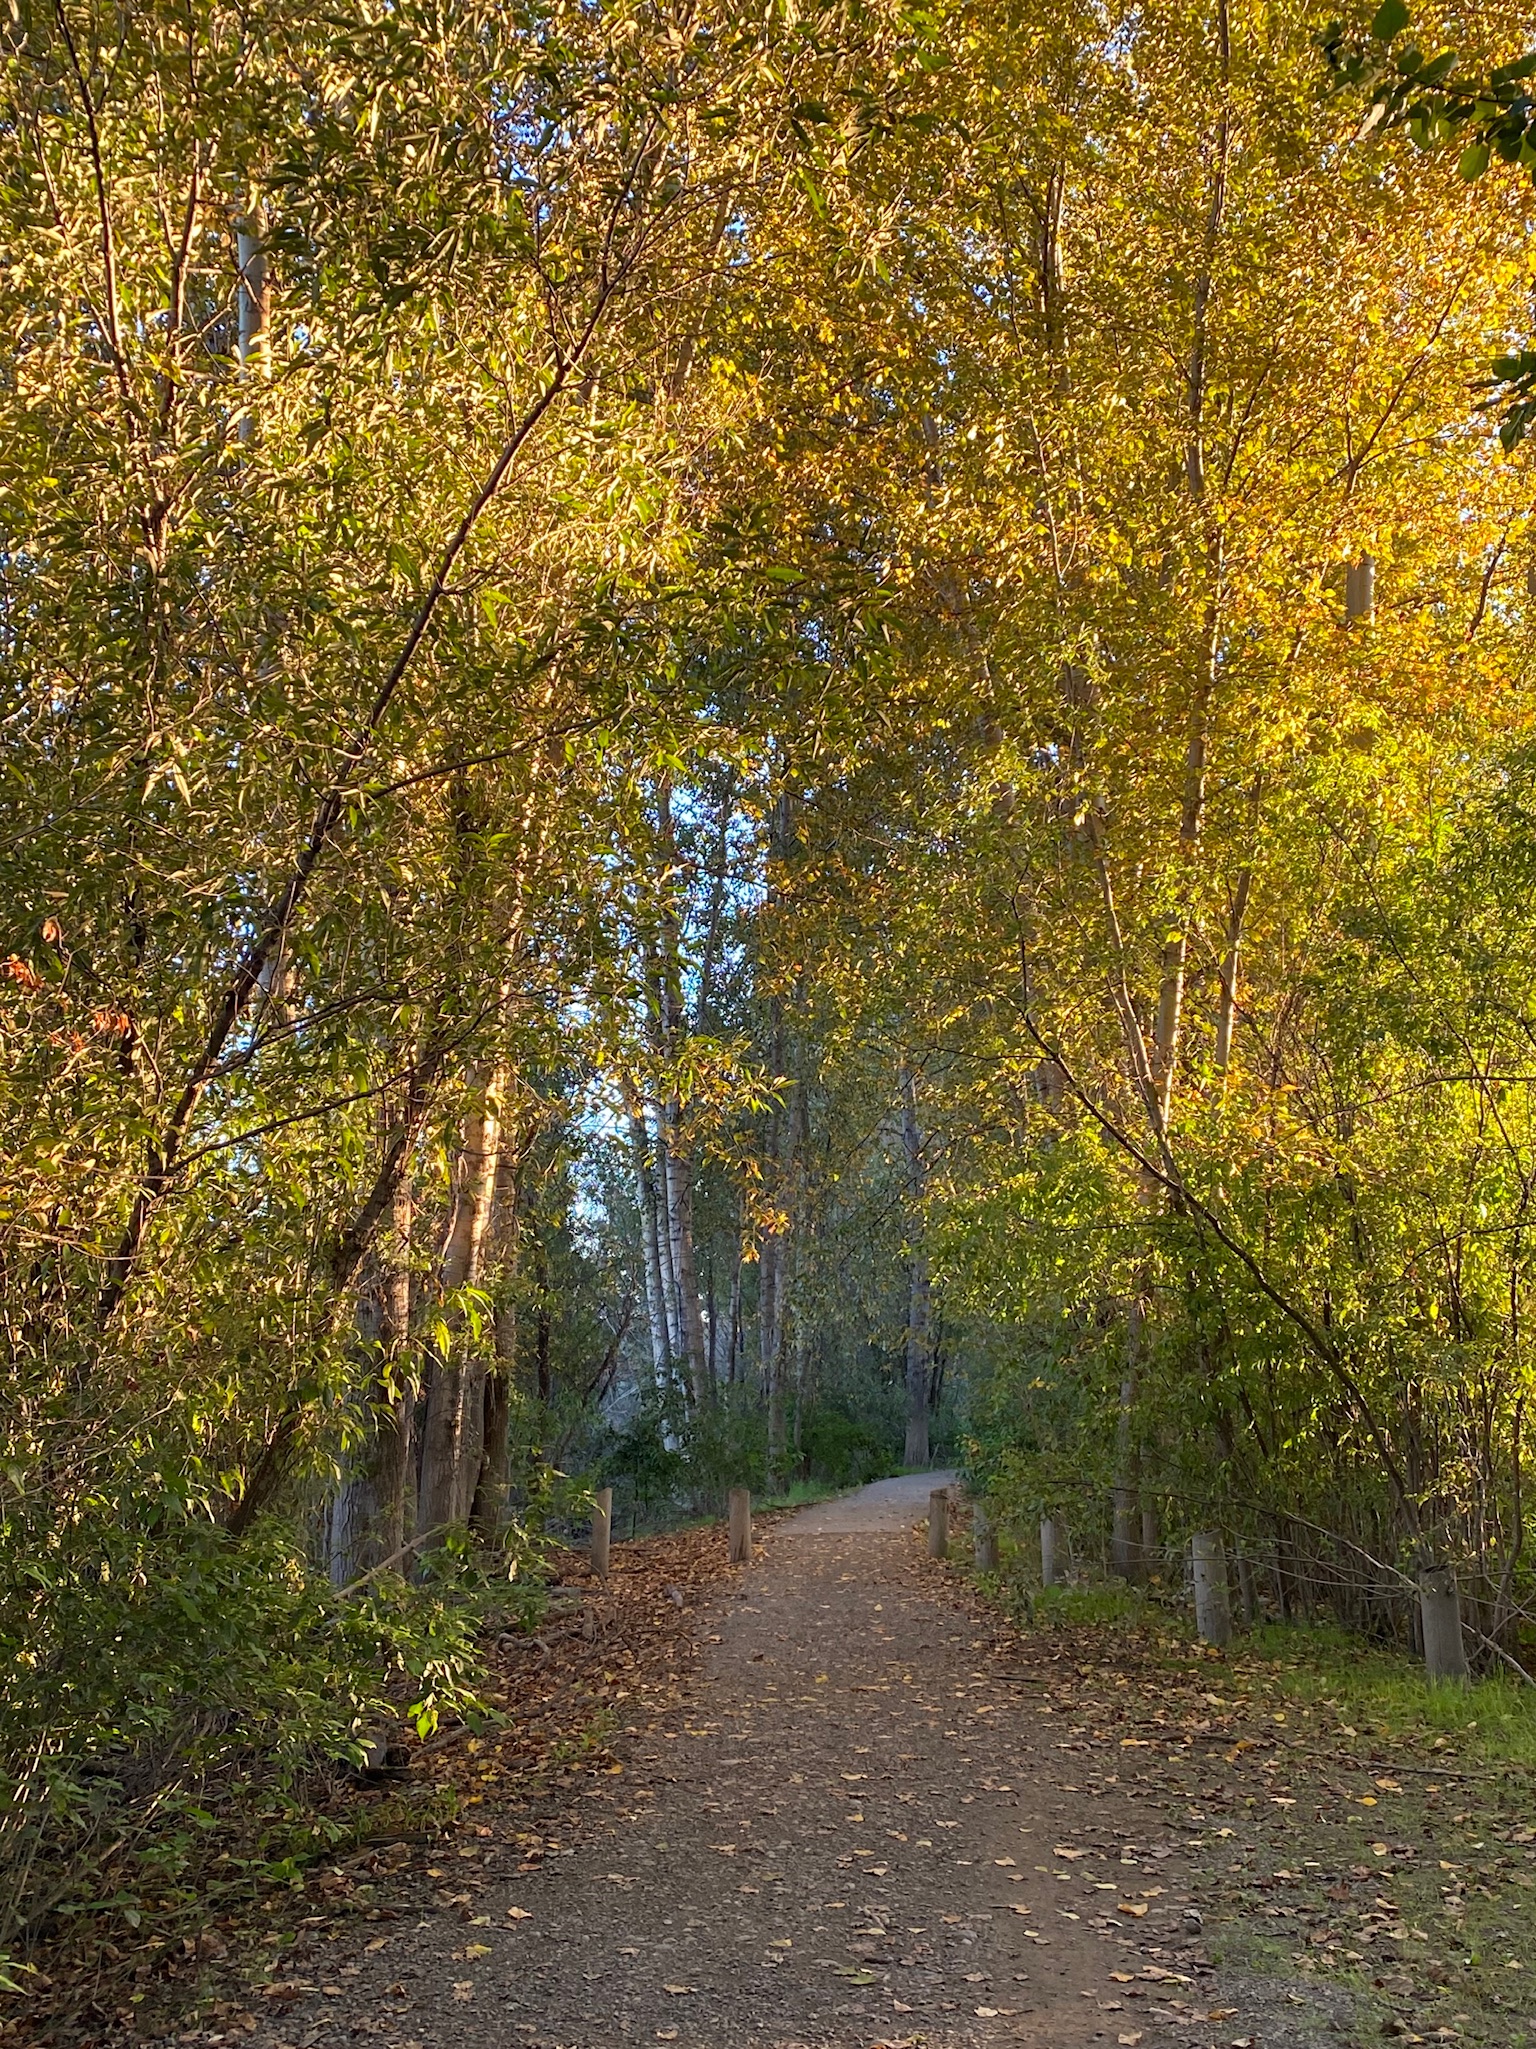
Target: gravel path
[(856, 1836)]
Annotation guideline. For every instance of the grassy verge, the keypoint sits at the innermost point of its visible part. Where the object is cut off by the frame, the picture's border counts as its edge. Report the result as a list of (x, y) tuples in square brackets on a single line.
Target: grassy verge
[(1349, 1825)]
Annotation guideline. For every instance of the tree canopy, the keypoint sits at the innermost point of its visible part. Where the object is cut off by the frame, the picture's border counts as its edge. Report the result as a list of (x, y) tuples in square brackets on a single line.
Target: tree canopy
[(743, 743)]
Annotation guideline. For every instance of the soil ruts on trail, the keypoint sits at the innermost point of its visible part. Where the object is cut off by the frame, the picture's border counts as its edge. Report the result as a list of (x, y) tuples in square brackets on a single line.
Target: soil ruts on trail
[(866, 1829)]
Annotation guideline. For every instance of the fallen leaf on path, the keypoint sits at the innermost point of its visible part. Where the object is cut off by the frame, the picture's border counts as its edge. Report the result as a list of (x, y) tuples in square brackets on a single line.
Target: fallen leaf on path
[(1060, 1852), (519, 1914), (477, 1949), (464, 1990), (679, 1988), (1129, 2041), (986, 2013), (1135, 1908)]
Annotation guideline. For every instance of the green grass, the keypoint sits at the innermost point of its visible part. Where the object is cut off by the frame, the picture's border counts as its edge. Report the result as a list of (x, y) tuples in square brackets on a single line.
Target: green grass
[(1384, 1693), (1090, 1606)]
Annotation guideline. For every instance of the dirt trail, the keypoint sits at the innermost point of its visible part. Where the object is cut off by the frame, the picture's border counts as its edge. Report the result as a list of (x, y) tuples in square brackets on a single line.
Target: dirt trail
[(855, 1838)]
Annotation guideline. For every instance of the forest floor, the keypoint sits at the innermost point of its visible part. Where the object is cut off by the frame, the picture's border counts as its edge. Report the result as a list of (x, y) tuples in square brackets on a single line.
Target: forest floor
[(876, 1813)]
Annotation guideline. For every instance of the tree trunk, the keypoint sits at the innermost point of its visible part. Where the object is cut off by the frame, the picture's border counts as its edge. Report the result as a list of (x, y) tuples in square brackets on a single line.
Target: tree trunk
[(650, 1247), (453, 1434), (490, 1500), (690, 1315), (919, 1359), (802, 1375), (733, 1357), (1125, 1539), (369, 1515), (664, 1249), (1226, 1016)]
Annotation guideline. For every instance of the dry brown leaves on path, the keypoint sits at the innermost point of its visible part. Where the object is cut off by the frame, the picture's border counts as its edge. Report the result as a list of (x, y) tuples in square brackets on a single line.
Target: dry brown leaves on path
[(509, 1793)]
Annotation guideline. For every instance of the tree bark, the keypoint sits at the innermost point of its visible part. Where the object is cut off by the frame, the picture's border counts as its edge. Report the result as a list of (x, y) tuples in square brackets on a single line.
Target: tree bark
[(650, 1247), (733, 1357), (453, 1431), (490, 1500), (1226, 1016), (368, 1517), (919, 1346)]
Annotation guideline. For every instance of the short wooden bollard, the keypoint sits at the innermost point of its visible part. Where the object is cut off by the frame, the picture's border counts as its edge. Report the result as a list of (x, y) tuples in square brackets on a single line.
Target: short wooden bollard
[(1050, 1551), (1445, 1651), (938, 1523), (740, 1503), (1213, 1607), (984, 1536), (602, 1526)]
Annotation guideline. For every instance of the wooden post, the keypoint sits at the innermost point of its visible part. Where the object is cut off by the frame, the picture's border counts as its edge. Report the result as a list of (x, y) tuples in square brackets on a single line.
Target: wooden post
[(740, 1503), (602, 1525), (1445, 1653), (984, 1536), (938, 1523), (1213, 1609), (1050, 1551)]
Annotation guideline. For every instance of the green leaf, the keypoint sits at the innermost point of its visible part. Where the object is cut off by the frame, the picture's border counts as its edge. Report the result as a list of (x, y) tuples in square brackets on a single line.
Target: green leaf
[(1474, 161), (1390, 19)]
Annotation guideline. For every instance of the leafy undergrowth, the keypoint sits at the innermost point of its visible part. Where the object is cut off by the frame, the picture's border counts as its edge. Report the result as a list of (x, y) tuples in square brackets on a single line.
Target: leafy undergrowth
[(1348, 1823), (228, 1936)]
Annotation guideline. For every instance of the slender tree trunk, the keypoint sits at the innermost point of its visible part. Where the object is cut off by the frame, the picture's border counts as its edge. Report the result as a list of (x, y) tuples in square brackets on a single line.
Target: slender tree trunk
[(733, 1356), (489, 1505), (712, 1329), (650, 1248), (369, 1515), (544, 1379), (665, 1252), (453, 1431), (677, 1173), (802, 1375), (1125, 1539), (690, 1314), (919, 1348), (1226, 1015)]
